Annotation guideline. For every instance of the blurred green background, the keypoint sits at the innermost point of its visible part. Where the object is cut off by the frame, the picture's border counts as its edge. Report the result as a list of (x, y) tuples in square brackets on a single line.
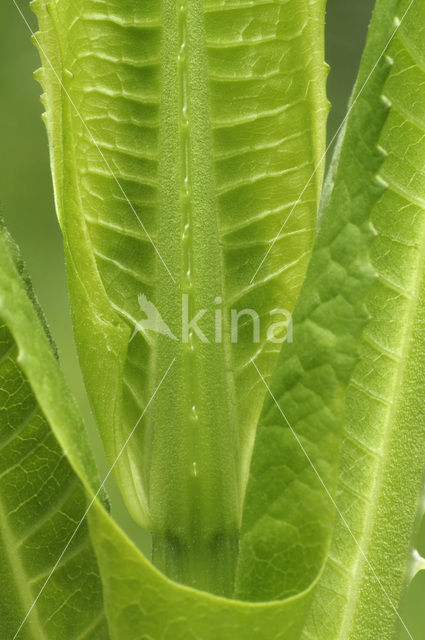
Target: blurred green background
[(27, 204)]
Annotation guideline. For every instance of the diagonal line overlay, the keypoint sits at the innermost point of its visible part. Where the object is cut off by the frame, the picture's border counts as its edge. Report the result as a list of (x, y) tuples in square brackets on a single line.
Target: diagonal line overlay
[(55, 566), (328, 493), (102, 155), (319, 164)]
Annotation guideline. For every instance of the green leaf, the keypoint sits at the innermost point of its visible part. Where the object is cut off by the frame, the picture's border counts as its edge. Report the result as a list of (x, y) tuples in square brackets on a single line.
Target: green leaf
[(289, 510), (51, 501), (383, 455), (139, 599), (359, 311), (289, 516), (41, 499), (181, 139)]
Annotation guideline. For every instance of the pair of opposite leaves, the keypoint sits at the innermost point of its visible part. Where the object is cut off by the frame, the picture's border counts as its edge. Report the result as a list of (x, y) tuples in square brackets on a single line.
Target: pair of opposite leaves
[(312, 374)]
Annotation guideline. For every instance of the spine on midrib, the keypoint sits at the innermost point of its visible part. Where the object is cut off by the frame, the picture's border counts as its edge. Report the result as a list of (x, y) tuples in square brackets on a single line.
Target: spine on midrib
[(191, 406), (194, 488)]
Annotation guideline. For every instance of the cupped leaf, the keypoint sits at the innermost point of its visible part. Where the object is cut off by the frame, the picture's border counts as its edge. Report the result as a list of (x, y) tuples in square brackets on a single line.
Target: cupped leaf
[(288, 512), (383, 455), (182, 135), (41, 499), (289, 515), (140, 601)]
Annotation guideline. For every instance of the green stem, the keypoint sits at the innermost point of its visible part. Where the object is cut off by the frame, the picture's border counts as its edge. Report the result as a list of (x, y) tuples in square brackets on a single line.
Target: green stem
[(194, 491), (206, 565)]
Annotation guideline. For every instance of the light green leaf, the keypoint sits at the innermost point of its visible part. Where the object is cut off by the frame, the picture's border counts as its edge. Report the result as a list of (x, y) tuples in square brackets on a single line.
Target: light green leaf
[(360, 311), (181, 139), (140, 601), (383, 455), (289, 511), (41, 499), (289, 516)]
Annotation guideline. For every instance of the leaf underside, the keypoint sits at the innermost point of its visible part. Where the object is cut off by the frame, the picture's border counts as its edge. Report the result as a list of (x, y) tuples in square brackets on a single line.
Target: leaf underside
[(383, 458)]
